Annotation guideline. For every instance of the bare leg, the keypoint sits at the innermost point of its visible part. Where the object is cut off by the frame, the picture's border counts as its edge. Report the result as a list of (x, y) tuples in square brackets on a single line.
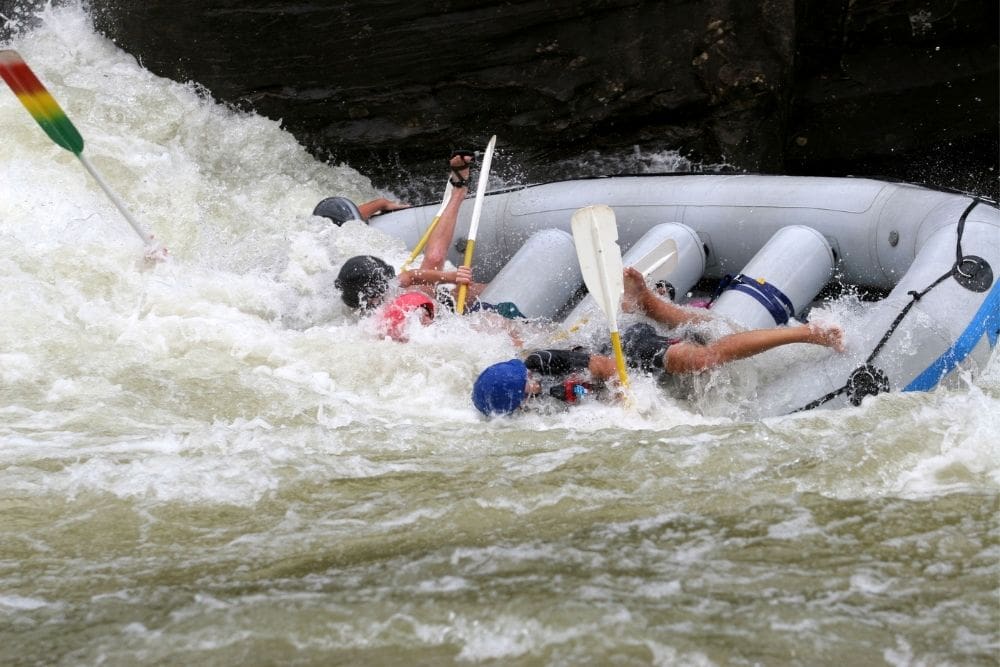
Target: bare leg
[(639, 298), (436, 251)]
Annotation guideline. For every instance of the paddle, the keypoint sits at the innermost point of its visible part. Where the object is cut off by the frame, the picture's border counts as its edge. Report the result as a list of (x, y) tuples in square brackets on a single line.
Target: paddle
[(654, 265), (52, 119), (659, 262), (419, 248), (595, 235), (477, 209)]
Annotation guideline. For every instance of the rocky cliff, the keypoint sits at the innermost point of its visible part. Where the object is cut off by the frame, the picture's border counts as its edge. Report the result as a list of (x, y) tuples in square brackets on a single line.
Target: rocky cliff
[(904, 88)]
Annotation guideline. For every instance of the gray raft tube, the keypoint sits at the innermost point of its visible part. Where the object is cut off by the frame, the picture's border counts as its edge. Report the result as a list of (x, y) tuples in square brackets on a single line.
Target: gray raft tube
[(874, 228), (541, 278)]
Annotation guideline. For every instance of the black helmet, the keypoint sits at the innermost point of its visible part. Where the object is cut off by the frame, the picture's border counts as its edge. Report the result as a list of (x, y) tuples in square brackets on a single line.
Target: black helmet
[(363, 281), (338, 209)]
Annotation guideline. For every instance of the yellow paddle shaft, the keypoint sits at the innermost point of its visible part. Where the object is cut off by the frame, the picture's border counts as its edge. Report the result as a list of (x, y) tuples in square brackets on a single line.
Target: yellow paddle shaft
[(470, 247), (616, 344), (419, 248)]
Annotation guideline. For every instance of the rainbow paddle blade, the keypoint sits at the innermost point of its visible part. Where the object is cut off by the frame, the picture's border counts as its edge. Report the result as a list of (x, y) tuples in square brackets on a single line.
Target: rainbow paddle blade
[(39, 103)]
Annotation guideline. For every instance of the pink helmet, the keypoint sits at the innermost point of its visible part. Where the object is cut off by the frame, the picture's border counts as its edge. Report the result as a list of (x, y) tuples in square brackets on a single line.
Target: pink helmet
[(393, 318)]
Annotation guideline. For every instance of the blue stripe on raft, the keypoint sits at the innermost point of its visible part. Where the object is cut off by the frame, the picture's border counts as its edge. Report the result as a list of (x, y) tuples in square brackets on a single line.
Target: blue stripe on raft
[(774, 300), (986, 322)]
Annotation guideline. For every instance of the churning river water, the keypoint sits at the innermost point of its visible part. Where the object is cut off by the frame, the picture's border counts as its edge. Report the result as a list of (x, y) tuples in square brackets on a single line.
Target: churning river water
[(211, 462)]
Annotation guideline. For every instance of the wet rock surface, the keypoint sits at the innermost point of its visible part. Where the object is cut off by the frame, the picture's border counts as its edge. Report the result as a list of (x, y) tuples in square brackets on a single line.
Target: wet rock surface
[(894, 88)]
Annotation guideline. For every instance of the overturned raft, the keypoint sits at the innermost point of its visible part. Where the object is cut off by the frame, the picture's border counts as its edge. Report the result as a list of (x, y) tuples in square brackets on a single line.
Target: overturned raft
[(772, 243)]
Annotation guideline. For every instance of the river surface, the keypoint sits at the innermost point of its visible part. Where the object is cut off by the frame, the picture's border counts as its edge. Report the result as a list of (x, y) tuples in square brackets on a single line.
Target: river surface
[(211, 462)]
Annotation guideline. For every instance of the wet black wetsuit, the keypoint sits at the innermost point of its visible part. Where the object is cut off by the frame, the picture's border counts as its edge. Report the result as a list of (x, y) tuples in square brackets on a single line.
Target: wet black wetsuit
[(643, 349)]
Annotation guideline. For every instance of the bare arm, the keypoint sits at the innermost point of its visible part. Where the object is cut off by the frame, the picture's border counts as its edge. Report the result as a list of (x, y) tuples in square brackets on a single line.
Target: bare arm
[(601, 367), (687, 357), (461, 276), (380, 205), (426, 277)]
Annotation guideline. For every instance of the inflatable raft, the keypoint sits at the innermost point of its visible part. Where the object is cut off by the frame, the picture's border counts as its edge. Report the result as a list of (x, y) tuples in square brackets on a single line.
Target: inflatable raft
[(764, 247)]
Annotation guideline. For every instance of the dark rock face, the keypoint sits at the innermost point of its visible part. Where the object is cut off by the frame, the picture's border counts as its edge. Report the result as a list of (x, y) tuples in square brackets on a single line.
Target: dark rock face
[(789, 86), (905, 88)]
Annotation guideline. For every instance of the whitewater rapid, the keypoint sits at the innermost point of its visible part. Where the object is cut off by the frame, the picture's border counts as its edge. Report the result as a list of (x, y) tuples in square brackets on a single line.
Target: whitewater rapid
[(211, 461)]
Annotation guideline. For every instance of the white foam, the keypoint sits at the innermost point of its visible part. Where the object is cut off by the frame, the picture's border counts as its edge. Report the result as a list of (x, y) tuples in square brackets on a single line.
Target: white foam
[(240, 340), (21, 603)]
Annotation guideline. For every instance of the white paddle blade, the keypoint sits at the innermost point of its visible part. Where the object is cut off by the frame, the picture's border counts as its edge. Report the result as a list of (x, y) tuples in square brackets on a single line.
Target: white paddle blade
[(595, 235), (477, 209), (659, 262), (484, 177), (444, 198)]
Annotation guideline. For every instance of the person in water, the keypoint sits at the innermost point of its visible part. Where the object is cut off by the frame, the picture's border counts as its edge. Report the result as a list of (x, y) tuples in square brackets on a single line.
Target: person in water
[(364, 280), (341, 209), (502, 388)]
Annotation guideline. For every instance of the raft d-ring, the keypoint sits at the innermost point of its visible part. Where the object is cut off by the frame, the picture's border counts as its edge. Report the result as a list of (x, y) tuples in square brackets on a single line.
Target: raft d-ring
[(977, 275), (958, 268)]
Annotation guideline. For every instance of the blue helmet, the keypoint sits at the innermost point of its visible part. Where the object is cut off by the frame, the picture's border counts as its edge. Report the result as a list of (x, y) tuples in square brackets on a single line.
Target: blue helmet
[(500, 388)]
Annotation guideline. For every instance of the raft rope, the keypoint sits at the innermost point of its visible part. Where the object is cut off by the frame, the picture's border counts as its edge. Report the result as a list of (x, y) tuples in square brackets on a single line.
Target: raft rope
[(869, 380)]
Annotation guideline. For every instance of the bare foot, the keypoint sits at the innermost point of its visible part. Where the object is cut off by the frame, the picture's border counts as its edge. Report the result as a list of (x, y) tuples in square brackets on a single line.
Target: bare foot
[(635, 287), (459, 164), (829, 335)]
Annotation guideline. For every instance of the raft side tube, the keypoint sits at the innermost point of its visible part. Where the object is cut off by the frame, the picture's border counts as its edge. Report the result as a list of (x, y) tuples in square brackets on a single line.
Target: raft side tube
[(540, 278), (780, 281)]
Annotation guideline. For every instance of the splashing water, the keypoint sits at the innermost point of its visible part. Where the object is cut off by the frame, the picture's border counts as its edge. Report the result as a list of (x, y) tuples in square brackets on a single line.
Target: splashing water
[(212, 462)]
